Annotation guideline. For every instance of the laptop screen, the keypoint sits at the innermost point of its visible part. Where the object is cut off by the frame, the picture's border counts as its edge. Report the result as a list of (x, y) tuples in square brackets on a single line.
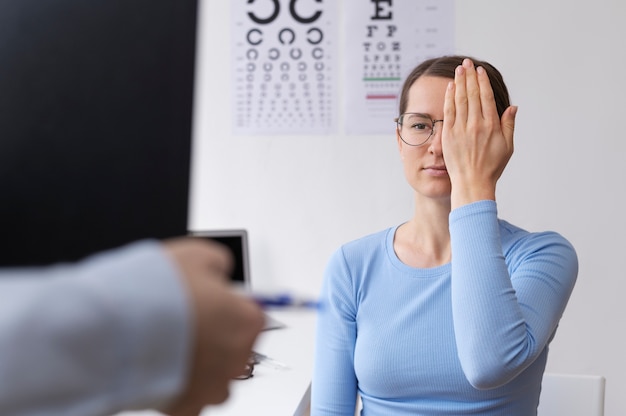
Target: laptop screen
[(236, 240)]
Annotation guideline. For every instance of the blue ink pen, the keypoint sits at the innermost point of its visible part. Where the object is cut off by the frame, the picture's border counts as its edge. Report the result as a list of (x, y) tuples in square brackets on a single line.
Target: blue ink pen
[(283, 300), (277, 300)]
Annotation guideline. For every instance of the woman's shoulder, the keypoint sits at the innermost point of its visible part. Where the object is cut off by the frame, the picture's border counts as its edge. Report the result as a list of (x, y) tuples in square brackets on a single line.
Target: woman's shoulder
[(368, 243), (370, 239), (515, 239), (359, 254)]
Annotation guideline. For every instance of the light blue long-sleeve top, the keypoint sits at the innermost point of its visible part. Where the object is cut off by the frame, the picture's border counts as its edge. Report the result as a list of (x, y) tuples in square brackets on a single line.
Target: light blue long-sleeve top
[(109, 333), (467, 337)]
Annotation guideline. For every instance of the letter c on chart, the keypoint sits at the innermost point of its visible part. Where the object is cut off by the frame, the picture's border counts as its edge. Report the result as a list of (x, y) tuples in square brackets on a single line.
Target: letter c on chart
[(319, 39), (252, 54), (249, 37), (263, 21), (273, 54), (282, 32), (317, 53), (300, 19)]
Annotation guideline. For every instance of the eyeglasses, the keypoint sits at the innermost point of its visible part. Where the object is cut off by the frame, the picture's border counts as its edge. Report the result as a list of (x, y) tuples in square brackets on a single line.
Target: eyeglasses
[(248, 370), (415, 129)]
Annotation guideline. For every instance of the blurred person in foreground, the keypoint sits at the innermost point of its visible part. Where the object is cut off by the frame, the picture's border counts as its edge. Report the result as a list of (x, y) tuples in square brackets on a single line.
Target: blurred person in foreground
[(151, 325)]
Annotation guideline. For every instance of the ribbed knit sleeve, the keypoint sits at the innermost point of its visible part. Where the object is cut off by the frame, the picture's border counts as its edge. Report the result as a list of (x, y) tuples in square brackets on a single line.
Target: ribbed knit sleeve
[(508, 292), (334, 386)]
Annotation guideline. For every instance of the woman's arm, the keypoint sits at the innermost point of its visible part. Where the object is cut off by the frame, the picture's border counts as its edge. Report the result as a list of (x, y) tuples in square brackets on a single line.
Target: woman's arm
[(505, 309), (334, 385)]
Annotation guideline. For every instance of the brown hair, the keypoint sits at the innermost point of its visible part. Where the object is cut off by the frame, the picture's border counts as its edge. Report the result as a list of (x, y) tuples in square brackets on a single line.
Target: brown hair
[(444, 67)]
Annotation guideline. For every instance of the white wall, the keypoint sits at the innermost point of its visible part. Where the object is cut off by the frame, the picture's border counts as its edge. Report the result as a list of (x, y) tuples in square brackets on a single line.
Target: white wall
[(301, 197)]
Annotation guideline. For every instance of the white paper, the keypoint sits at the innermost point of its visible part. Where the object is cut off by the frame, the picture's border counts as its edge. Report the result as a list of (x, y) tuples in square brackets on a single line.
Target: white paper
[(385, 40), (284, 55)]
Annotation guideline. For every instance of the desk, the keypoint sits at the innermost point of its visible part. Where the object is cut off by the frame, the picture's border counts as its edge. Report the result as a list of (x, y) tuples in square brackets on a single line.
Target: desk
[(280, 386)]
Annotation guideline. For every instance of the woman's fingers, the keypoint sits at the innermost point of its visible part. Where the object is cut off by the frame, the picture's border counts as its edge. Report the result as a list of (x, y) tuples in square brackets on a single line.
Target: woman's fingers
[(473, 91), (488, 102), (449, 108), (477, 143), (474, 102), (460, 95), (507, 124)]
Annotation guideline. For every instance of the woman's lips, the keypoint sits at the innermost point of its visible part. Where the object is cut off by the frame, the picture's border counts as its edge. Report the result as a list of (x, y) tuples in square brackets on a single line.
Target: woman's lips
[(436, 170)]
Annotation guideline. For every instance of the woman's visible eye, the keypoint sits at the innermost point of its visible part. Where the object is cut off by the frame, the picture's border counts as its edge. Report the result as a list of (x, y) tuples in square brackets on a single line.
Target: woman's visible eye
[(421, 126)]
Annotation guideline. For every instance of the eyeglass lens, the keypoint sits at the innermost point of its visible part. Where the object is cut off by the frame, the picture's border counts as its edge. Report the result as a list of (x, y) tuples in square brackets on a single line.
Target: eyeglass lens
[(415, 129)]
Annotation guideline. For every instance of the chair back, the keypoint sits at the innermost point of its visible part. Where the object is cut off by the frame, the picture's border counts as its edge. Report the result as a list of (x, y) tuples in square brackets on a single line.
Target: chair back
[(571, 395)]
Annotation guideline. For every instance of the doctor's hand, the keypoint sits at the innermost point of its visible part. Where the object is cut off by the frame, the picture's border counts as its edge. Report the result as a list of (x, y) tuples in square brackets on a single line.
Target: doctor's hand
[(476, 143), (226, 324)]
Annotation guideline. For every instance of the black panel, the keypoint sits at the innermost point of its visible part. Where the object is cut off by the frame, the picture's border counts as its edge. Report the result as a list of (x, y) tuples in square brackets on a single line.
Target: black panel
[(95, 124)]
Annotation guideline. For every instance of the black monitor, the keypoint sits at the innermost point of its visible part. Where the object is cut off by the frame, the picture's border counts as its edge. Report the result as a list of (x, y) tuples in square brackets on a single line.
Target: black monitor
[(96, 101)]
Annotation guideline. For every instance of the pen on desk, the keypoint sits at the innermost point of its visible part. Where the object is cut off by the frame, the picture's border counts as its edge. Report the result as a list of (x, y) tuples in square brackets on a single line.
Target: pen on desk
[(264, 359), (283, 301)]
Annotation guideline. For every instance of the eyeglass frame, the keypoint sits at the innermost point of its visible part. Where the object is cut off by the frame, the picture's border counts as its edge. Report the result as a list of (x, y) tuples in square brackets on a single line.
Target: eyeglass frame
[(248, 369), (399, 127)]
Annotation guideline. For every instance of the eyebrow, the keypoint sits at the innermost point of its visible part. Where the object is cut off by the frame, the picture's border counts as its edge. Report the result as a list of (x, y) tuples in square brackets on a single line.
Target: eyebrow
[(420, 114)]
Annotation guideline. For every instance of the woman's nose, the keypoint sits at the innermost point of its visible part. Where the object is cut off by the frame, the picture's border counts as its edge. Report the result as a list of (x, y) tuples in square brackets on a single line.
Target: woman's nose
[(435, 140)]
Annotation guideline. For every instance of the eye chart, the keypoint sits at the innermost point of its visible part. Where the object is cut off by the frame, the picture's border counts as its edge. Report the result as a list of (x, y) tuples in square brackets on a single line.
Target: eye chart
[(284, 59), (385, 40)]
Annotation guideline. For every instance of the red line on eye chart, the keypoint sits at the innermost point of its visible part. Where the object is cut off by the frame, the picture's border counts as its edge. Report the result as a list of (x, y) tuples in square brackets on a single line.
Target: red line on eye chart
[(381, 96)]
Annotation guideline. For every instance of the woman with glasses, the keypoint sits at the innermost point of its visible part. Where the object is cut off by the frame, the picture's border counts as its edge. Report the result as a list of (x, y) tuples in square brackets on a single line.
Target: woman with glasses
[(452, 311)]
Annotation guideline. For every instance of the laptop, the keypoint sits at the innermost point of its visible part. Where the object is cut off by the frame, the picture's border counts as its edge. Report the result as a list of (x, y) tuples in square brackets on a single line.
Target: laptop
[(236, 240)]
